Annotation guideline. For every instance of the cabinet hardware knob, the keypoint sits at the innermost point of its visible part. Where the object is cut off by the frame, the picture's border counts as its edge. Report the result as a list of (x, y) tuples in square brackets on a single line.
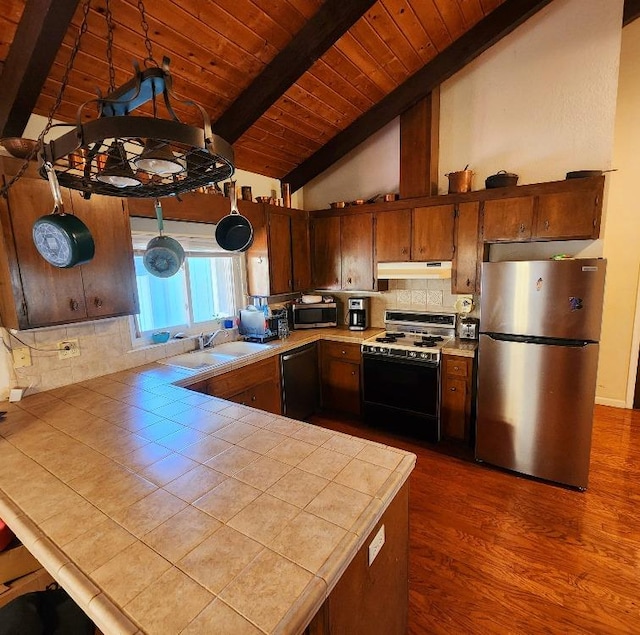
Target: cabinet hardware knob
[(349, 280), (421, 249), (353, 372), (456, 368), (98, 302), (468, 282), (74, 305), (344, 352), (522, 228), (290, 285), (253, 397), (404, 250), (452, 389), (546, 224)]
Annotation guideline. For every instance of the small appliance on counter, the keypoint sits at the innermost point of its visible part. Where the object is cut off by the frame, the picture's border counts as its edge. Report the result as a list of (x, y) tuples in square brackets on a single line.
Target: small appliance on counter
[(468, 328), (358, 314), (315, 315)]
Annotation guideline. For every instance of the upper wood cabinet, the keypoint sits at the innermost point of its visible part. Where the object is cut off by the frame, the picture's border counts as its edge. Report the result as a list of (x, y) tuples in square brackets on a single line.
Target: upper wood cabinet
[(34, 293), (278, 260), (393, 235), (342, 252), (432, 236), (465, 276), (508, 219), (325, 253), (356, 247), (570, 214), (420, 234)]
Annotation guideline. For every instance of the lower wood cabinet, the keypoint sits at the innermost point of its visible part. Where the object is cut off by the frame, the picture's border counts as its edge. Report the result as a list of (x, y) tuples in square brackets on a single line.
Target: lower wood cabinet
[(456, 397), (256, 385), (340, 376), (373, 597)]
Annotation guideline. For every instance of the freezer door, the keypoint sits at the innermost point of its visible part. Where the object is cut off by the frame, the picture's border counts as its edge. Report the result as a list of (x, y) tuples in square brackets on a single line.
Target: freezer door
[(546, 298), (535, 408)]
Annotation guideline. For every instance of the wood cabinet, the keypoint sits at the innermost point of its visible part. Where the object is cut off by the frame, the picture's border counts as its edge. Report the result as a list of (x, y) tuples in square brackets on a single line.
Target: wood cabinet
[(373, 597), (340, 376), (34, 293), (278, 261), (256, 385), (325, 253), (563, 215), (356, 248), (508, 219), (420, 234), (393, 235), (465, 274), (342, 252), (456, 397), (432, 234)]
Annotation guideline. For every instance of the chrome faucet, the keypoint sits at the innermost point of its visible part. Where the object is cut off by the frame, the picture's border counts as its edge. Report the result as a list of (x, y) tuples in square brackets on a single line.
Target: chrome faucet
[(207, 341)]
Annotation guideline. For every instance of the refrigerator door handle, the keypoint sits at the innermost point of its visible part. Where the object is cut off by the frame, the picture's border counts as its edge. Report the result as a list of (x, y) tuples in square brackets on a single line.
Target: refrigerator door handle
[(530, 339)]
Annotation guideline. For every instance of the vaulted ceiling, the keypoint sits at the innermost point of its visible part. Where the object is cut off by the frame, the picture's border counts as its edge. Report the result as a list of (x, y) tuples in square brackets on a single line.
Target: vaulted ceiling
[(293, 84)]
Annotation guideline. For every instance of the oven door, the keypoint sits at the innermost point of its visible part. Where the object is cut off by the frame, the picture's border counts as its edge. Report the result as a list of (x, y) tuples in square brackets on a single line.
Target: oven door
[(403, 395)]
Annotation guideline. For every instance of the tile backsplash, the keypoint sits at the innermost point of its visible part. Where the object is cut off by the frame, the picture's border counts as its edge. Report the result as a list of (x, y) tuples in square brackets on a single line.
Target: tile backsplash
[(105, 347), (415, 295)]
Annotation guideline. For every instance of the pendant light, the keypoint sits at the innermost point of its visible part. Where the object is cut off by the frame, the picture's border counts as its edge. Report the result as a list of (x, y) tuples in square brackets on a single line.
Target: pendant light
[(117, 171), (157, 158)]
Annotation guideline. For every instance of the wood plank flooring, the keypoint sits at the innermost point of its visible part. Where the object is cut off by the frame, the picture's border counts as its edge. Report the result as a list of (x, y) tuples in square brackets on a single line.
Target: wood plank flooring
[(491, 552)]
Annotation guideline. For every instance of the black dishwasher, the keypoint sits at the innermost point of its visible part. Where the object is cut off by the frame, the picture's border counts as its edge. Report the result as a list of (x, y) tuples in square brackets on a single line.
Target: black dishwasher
[(300, 381)]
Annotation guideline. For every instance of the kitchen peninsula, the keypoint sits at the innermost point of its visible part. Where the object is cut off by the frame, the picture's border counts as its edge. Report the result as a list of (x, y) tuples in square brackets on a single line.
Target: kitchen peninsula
[(160, 509)]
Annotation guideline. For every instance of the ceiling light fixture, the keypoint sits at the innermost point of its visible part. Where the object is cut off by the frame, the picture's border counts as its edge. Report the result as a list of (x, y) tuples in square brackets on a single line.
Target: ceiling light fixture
[(168, 155)]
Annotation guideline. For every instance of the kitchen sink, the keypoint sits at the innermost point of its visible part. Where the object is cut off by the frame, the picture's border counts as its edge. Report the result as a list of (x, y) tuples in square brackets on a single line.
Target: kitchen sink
[(214, 356), (240, 349)]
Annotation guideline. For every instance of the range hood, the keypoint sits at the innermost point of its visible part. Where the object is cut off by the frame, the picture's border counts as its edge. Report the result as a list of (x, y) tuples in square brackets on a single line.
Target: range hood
[(414, 270)]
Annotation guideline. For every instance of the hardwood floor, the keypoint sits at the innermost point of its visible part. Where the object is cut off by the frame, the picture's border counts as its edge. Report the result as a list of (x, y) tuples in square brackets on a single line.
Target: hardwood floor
[(491, 552)]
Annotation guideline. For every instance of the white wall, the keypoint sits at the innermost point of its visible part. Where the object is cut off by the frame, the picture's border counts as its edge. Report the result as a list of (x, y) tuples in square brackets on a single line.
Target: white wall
[(371, 168), (619, 349)]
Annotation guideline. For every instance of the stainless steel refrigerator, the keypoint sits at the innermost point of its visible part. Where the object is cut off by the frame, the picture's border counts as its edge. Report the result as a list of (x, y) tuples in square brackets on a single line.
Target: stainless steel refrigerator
[(537, 365)]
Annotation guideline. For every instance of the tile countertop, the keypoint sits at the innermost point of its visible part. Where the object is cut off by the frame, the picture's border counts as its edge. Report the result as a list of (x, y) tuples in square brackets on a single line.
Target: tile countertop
[(161, 510)]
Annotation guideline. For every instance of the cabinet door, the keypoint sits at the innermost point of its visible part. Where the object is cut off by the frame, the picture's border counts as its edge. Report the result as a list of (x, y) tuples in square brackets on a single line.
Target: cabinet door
[(452, 409), (327, 268), (509, 219), (393, 236), (433, 233), (51, 295), (568, 215), (465, 265), (300, 253), (341, 385), (266, 396), (357, 252), (109, 279), (280, 270)]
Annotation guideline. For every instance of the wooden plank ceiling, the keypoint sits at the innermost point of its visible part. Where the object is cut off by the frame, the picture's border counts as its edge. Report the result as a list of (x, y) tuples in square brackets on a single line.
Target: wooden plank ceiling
[(221, 48)]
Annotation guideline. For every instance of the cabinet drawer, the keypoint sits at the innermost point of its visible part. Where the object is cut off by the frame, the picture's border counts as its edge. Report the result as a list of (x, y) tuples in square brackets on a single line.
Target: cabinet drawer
[(350, 352), (456, 366), (235, 381)]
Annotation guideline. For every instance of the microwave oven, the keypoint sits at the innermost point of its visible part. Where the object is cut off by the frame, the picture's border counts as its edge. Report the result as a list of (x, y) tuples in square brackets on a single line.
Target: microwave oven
[(312, 316)]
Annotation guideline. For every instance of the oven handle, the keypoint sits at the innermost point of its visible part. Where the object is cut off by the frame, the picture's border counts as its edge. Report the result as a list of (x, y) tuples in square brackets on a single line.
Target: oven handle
[(390, 359)]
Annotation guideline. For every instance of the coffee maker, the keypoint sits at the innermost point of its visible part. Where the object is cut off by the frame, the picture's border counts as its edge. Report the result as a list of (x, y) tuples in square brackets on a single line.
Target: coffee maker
[(358, 314)]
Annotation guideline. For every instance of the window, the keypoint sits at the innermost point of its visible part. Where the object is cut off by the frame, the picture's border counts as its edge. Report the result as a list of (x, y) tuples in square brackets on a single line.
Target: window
[(206, 289)]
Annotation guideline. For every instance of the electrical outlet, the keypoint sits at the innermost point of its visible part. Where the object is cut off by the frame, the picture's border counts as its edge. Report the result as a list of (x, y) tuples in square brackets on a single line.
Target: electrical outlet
[(376, 544), (68, 348), (21, 357)]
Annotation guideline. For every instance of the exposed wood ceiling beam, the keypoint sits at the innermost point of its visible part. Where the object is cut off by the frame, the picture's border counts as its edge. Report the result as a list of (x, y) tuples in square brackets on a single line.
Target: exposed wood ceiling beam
[(631, 11), (33, 50), (500, 22), (332, 20)]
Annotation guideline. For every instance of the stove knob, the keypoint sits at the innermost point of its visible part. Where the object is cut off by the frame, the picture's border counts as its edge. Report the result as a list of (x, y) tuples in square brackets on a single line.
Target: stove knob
[(412, 354)]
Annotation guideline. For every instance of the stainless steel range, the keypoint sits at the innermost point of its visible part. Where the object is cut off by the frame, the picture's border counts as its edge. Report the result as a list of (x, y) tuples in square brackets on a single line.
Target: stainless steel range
[(401, 372)]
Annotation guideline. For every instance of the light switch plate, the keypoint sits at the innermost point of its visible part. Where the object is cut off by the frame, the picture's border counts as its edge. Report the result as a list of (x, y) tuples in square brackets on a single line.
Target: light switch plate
[(376, 544)]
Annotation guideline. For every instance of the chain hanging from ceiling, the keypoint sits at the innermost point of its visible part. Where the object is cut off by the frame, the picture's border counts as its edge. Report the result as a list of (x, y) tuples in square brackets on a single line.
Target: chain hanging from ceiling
[(122, 153)]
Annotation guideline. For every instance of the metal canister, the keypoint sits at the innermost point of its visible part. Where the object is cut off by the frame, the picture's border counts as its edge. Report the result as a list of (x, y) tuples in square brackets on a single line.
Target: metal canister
[(285, 189)]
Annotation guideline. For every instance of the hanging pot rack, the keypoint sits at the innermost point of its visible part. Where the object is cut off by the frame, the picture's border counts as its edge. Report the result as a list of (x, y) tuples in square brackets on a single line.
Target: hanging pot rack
[(79, 156)]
